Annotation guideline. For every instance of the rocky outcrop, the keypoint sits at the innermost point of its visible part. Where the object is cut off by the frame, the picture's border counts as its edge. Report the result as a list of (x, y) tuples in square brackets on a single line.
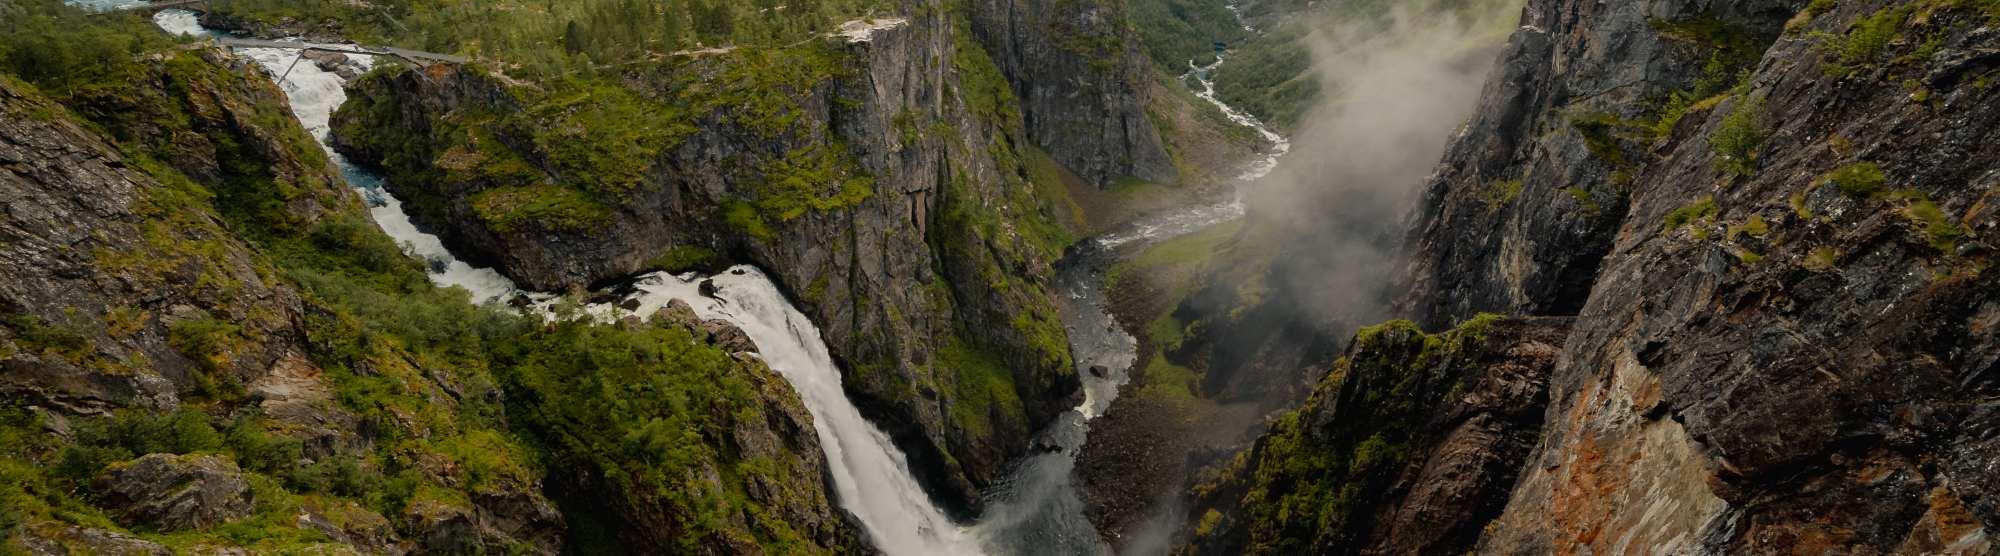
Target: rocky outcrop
[(1790, 346), (117, 295), (884, 195), (1551, 154), (131, 289), (1775, 227), (173, 493), (1774, 223), (1083, 84), (1408, 446)]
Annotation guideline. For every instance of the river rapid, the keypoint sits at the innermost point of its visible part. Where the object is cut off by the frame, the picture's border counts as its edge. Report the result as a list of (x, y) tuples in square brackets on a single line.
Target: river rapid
[(1033, 511)]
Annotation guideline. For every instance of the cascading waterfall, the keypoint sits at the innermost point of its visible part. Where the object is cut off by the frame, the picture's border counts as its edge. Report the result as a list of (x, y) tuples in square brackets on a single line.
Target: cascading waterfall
[(871, 477)]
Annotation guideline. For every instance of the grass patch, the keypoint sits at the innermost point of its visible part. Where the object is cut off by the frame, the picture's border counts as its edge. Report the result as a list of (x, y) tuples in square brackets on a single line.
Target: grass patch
[(539, 207), (1859, 180), (1499, 193), (1702, 210), (983, 388)]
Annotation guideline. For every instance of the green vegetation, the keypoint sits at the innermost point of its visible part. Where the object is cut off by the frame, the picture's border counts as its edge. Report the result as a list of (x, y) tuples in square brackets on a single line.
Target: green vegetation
[(1756, 226), (1866, 40), (64, 52), (1270, 76), (683, 258), (1821, 259), (1178, 32), (983, 388), (1938, 229), (420, 368), (1860, 180), (590, 32), (1739, 141), (544, 207), (1311, 485), (1500, 193), (1698, 212)]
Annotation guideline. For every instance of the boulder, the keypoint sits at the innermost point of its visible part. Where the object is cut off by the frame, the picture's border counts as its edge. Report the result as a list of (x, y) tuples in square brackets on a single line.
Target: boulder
[(728, 337), (678, 313), (175, 493)]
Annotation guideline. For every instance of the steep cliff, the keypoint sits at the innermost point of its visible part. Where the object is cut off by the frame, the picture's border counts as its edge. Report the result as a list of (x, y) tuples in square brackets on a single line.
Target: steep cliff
[(1408, 447), (1773, 223), (1790, 344), (879, 177), (207, 346), (1083, 82)]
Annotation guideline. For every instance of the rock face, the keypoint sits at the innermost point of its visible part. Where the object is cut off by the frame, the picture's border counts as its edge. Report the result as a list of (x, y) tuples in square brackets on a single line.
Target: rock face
[(1546, 157), (1083, 84), (159, 248), (926, 282), (1775, 227), (102, 267), (1808, 367), (173, 493), (1408, 446)]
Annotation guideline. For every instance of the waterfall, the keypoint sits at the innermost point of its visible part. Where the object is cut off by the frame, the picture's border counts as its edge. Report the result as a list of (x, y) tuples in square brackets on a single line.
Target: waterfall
[(871, 476)]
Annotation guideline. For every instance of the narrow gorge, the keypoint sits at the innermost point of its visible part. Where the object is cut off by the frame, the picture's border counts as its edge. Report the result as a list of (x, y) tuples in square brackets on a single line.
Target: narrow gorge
[(999, 277)]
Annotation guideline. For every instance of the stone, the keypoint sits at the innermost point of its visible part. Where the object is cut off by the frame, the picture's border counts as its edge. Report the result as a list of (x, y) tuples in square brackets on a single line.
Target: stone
[(728, 337), (175, 493)]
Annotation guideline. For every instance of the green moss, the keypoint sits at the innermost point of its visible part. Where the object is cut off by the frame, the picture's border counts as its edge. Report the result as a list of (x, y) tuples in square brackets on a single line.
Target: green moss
[(1694, 213), (1821, 259), (817, 178), (1585, 200), (982, 386), (210, 342), (1500, 193), (1753, 227), (980, 84), (745, 218), (541, 207), (1859, 180), (65, 340), (1941, 232), (683, 258)]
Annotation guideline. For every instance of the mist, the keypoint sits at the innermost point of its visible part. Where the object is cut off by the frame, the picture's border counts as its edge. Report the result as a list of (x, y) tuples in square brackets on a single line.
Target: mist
[(1397, 88)]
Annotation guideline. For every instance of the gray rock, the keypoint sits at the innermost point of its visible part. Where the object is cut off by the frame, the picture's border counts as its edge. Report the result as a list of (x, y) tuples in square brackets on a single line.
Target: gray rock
[(57, 539), (677, 313), (175, 493), (728, 337)]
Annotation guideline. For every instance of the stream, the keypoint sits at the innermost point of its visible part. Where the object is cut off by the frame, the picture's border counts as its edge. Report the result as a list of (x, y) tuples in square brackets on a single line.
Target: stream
[(1033, 510)]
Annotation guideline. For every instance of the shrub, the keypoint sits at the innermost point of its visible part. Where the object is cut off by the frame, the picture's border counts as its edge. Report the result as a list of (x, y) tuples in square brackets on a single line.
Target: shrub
[(1740, 138)]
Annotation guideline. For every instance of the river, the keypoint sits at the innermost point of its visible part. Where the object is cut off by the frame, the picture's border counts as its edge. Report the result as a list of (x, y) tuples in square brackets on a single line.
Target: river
[(1033, 511)]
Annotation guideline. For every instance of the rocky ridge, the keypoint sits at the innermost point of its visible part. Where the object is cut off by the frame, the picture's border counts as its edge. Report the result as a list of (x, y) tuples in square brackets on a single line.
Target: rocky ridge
[(209, 347), (1773, 224), (896, 187)]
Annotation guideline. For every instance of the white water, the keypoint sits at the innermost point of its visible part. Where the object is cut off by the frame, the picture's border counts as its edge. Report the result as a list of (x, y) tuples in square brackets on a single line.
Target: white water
[(871, 477), (1181, 222)]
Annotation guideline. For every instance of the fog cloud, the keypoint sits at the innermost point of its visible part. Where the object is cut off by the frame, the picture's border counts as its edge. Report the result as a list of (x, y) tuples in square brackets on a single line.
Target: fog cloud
[(1397, 90)]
